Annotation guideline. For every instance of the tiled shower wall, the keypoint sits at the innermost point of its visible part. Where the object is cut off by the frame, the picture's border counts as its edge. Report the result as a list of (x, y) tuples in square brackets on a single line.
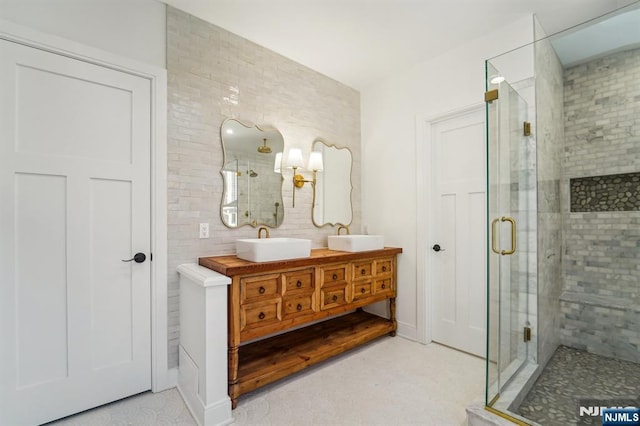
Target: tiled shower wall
[(213, 75), (549, 138), (601, 262)]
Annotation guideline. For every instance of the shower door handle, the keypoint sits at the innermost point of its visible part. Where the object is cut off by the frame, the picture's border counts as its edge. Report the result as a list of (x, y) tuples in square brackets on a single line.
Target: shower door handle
[(494, 236), (513, 235)]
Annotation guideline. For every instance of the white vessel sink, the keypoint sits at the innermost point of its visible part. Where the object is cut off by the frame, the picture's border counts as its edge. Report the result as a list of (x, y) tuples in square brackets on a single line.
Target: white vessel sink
[(269, 249), (355, 242)]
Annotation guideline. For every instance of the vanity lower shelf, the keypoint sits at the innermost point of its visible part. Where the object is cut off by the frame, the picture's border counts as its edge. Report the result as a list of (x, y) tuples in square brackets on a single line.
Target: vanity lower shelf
[(268, 360)]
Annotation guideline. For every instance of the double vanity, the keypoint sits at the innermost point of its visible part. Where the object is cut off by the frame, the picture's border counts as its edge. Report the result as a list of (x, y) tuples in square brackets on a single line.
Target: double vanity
[(281, 305), (288, 314)]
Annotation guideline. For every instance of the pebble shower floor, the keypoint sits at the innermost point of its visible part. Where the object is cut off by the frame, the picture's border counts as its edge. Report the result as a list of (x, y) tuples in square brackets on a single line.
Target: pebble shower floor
[(573, 375)]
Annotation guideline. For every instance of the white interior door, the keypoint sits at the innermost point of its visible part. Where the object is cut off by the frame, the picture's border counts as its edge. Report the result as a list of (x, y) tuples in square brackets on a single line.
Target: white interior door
[(458, 231), (74, 202)]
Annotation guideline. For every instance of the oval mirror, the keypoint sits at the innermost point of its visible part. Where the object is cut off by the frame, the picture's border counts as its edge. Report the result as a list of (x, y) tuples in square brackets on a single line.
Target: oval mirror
[(332, 193), (252, 193)]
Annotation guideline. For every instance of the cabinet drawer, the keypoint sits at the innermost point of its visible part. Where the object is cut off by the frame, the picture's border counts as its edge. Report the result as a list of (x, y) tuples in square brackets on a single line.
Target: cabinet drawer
[(383, 267), (362, 269), (334, 274), (331, 297), (362, 290), (262, 286), (259, 313), (383, 286), (298, 305), (302, 281)]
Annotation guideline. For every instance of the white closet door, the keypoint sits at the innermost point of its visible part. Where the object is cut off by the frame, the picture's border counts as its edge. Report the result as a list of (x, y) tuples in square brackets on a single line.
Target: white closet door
[(458, 250), (74, 202)]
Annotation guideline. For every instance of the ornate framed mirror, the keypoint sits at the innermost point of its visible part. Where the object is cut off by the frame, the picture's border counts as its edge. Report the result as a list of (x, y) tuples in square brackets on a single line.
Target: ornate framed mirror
[(332, 191), (252, 193)]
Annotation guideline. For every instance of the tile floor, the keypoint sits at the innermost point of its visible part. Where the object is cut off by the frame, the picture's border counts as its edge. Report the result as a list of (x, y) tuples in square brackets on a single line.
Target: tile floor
[(391, 381)]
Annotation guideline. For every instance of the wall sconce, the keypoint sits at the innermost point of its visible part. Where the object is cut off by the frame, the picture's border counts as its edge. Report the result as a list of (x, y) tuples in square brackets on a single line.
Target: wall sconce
[(294, 161)]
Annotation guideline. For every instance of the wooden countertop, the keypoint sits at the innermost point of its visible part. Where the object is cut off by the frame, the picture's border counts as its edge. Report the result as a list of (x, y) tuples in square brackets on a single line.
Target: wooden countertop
[(232, 265)]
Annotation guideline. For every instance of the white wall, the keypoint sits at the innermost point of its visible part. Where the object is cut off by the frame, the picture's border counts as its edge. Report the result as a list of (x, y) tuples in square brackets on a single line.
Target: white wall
[(389, 110), (131, 28)]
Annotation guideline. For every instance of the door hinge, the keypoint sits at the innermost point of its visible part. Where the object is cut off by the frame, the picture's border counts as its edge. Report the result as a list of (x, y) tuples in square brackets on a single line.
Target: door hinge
[(526, 129), (491, 95), (527, 334), (151, 257)]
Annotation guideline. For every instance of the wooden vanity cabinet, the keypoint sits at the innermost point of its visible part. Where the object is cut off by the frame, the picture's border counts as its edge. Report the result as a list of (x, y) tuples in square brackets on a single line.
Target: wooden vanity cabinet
[(269, 299), (334, 286), (298, 295)]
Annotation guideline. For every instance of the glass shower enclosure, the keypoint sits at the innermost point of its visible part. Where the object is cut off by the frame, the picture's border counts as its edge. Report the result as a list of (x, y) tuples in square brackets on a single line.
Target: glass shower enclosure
[(563, 210), (511, 207)]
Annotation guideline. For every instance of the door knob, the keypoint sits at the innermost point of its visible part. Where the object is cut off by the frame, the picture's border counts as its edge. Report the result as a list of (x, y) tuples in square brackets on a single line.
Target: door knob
[(138, 258), (436, 247)]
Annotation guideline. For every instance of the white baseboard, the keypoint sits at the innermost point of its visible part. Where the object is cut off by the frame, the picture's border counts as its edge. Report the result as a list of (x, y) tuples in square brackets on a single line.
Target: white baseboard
[(213, 415), (408, 331)]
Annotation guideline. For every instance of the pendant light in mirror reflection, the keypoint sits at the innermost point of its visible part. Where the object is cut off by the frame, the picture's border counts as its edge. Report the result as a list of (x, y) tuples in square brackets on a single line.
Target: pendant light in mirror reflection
[(264, 149), (295, 162), (252, 182)]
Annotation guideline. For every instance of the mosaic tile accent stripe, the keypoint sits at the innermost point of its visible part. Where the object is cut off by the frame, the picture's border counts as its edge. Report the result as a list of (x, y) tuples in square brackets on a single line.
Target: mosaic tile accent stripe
[(619, 192)]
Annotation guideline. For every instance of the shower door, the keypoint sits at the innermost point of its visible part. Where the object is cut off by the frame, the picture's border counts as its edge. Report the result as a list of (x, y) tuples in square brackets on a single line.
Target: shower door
[(510, 189)]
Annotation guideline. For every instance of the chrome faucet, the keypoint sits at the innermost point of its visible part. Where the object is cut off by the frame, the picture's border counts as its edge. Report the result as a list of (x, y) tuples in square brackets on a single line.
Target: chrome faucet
[(346, 228), (263, 228)]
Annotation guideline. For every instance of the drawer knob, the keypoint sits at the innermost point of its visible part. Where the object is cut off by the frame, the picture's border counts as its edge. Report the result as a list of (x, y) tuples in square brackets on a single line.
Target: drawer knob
[(262, 290), (335, 277), (299, 284), (362, 290), (384, 286), (384, 269), (261, 315), (363, 271), (335, 297), (299, 307)]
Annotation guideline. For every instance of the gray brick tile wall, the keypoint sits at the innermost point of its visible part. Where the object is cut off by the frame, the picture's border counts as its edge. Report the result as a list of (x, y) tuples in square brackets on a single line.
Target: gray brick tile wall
[(601, 256)]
